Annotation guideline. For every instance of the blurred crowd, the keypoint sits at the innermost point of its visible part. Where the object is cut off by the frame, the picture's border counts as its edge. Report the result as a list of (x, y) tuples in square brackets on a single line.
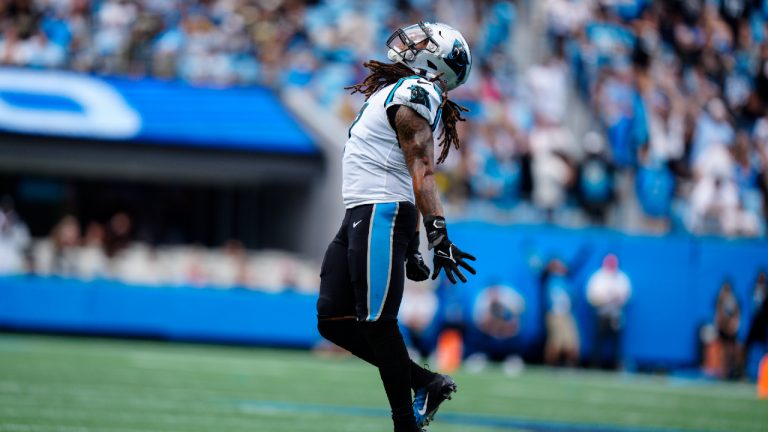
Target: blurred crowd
[(673, 95), (677, 99), (680, 89), (96, 251)]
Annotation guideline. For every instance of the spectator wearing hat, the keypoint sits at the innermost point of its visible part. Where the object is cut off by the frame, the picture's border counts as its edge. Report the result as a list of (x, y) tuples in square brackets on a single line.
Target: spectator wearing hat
[(608, 291)]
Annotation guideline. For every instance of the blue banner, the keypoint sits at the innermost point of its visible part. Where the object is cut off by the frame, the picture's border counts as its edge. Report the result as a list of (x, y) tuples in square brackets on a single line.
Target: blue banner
[(66, 104)]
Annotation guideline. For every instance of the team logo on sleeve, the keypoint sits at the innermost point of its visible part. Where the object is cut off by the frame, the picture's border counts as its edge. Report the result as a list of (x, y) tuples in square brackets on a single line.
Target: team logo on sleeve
[(420, 96)]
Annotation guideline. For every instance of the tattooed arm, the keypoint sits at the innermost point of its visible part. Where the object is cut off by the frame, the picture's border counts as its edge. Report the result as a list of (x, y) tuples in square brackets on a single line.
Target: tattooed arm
[(415, 137)]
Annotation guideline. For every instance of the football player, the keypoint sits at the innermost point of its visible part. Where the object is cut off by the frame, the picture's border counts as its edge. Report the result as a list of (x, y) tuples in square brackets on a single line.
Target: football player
[(388, 182)]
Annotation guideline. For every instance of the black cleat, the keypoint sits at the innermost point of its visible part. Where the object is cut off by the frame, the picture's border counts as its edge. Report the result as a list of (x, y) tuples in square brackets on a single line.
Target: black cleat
[(428, 398)]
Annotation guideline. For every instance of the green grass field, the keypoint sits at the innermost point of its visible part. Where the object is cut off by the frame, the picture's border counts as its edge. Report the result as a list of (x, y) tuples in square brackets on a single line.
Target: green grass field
[(79, 385)]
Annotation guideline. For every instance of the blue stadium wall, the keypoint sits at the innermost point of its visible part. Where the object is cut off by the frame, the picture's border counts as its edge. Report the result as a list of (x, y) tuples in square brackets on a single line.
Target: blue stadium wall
[(675, 282)]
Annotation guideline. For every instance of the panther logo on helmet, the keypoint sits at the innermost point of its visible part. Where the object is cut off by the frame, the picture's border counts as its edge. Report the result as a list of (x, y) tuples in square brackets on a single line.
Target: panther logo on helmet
[(458, 60)]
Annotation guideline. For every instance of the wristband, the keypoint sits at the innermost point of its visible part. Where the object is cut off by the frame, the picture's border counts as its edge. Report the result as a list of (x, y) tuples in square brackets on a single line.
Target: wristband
[(436, 230)]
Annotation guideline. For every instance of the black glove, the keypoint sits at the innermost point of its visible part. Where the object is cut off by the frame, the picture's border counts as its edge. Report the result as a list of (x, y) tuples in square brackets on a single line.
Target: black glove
[(447, 255), (415, 269)]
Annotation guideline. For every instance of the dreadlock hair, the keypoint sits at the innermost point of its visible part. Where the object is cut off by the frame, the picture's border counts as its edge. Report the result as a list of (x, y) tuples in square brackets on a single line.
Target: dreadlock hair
[(384, 74)]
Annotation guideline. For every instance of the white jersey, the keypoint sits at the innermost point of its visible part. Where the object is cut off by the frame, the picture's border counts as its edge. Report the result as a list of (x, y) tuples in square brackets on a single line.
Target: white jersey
[(374, 165)]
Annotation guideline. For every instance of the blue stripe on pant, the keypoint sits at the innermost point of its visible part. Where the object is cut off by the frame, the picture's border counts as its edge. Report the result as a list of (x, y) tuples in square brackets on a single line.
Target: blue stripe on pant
[(380, 240)]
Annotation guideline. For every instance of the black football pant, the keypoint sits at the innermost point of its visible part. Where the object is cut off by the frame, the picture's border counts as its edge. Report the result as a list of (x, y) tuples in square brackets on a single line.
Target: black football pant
[(361, 287)]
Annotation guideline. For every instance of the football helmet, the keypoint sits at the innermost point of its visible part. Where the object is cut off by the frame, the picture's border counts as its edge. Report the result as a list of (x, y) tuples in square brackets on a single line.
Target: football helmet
[(432, 49)]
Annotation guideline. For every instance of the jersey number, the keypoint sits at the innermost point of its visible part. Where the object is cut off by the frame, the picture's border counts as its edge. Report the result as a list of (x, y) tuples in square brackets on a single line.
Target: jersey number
[(357, 119)]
